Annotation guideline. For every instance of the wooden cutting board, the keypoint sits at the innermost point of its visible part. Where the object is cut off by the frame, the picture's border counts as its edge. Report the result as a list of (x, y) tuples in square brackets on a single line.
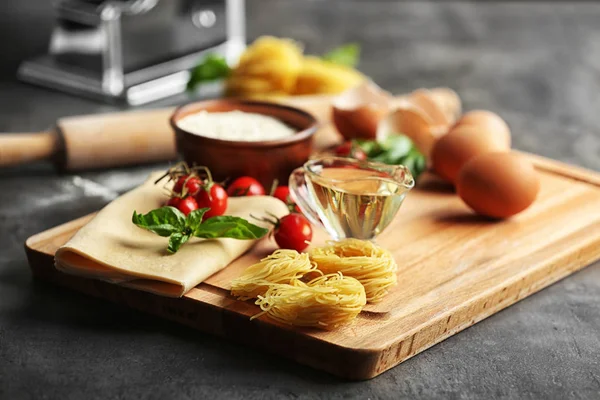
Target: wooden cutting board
[(455, 269)]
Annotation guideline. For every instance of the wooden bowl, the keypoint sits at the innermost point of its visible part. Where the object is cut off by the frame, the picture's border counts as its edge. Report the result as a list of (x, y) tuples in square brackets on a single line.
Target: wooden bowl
[(263, 160)]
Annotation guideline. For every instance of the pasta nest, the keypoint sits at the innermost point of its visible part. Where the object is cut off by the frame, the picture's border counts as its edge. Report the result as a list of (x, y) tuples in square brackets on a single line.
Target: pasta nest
[(370, 264), (325, 302)]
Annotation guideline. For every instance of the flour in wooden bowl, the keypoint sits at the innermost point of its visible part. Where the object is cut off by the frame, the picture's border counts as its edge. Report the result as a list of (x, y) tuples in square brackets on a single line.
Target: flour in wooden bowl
[(235, 126)]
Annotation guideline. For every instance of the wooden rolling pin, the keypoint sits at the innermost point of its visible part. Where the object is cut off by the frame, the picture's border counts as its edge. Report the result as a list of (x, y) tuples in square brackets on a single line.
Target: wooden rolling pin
[(142, 136), (113, 139), (95, 141)]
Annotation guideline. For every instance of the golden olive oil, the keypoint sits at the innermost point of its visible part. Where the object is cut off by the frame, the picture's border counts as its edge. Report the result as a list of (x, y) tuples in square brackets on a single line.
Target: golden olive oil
[(355, 202)]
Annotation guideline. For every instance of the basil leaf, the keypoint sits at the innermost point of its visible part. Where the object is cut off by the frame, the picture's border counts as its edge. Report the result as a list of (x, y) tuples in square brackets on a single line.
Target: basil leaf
[(212, 68), (194, 219), (346, 55), (419, 163), (398, 146), (176, 240), (371, 147), (381, 158), (229, 227), (163, 221), (395, 150)]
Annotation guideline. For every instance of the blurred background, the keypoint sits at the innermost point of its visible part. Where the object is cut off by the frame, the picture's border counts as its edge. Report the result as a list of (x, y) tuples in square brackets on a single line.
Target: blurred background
[(535, 63)]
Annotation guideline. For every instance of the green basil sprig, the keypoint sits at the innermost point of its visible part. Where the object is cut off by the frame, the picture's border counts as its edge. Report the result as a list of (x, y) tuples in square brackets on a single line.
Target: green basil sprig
[(395, 150), (172, 223), (211, 68)]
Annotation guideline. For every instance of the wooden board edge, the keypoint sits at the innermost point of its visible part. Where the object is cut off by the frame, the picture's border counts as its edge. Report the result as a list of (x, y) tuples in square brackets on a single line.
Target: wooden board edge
[(491, 302), (350, 364), (563, 169)]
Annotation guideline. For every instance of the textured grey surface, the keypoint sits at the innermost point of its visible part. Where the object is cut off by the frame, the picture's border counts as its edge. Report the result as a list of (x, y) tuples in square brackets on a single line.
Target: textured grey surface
[(537, 64)]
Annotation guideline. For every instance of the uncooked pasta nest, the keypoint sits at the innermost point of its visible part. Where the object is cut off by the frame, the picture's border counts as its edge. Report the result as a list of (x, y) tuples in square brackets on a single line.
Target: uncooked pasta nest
[(282, 266), (325, 289), (370, 264), (325, 302)]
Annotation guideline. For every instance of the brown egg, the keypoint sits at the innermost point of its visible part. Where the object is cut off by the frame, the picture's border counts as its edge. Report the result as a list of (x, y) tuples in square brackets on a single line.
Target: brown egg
[(415, 124), (498, 185), (453, 150), (448, 101), (360, 123), (423, 99), (356, 112), (486, 121)]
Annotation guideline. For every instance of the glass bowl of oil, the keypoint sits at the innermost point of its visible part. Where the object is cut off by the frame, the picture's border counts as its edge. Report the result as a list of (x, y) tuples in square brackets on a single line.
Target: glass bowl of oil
[(348, 197)]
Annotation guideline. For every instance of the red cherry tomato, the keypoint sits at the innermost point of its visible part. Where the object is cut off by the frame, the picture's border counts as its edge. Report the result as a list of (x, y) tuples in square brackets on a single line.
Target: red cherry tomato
[(187, 205), (349, 149), (213, 196), (343, 150), (283, 194), (174, 202), (178, 187), (292, 232), (193, 185), (245, 186), (190, 183)]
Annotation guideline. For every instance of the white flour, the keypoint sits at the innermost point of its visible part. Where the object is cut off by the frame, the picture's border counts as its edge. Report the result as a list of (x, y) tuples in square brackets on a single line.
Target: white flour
[(235, 125)]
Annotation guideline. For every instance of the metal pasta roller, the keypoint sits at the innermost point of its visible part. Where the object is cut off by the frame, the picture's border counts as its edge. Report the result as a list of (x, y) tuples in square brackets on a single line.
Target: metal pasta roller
[(134, 51)]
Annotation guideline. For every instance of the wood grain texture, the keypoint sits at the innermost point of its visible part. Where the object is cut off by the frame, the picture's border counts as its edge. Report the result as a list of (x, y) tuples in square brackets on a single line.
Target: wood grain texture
[(455, 270), (121, 138), (22, 148)]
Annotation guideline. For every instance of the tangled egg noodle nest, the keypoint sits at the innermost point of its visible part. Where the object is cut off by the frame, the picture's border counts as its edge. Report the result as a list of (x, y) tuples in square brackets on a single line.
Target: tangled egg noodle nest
[(326, 288), (283, 266), (370, 264), (325, 302)]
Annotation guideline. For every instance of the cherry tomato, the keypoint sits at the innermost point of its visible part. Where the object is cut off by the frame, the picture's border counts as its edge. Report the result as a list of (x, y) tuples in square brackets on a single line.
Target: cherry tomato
[(178, 187), (190, 183), (343, 150), (193, 185), (213, 196), (283, 194), (292, 232), (187, 205), (174, 202), (245, 186), (349, 149)]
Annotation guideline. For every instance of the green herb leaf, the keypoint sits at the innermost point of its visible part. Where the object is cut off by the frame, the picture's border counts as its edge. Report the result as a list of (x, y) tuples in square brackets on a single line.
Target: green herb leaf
[(419, 163), (162, 221), (347, 55), (176, 240), (371, 148), (212, 68), (172, 223), (194, 219), (398, 147), (395, 150), (229, 227)]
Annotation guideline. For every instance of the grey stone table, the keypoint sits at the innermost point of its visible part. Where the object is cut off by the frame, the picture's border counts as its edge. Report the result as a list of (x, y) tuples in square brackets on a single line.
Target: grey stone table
[(537, 64)]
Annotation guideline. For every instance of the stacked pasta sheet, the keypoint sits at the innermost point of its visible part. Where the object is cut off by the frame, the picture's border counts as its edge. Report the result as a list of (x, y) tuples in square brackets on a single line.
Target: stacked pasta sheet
[(111, 248)]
